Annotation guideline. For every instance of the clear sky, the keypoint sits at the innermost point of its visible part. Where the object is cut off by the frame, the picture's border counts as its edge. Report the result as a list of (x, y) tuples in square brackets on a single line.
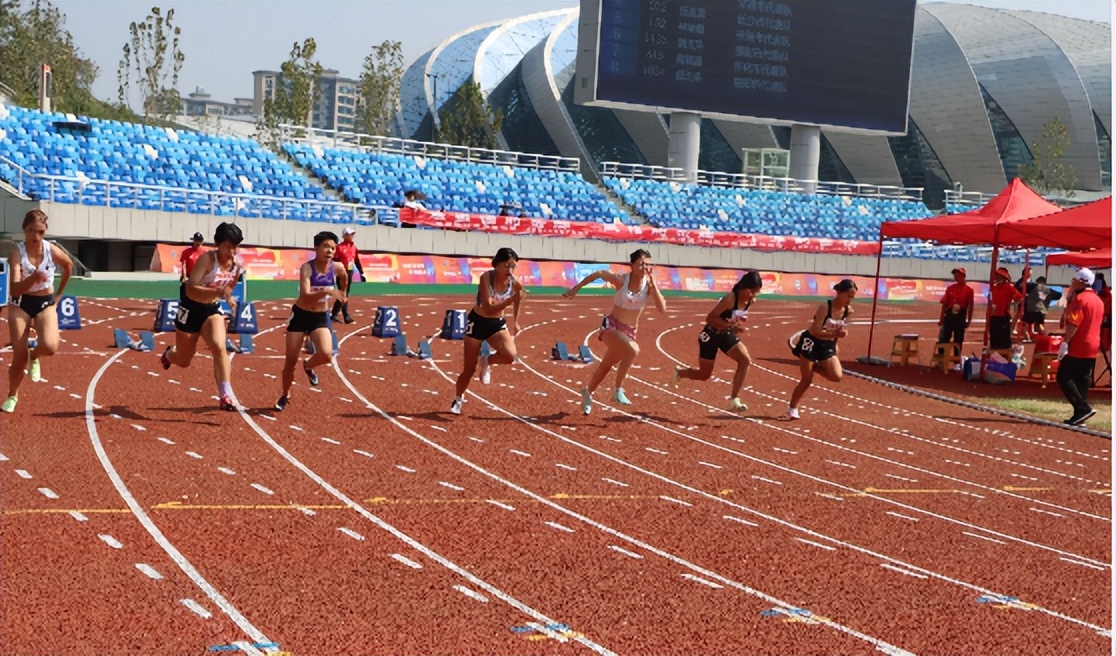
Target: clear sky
[(225, 40)]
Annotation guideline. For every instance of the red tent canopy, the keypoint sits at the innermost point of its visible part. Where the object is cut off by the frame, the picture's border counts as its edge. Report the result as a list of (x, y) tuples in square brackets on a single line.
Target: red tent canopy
[(1077, 228), (1016, 202), (1098, 259)]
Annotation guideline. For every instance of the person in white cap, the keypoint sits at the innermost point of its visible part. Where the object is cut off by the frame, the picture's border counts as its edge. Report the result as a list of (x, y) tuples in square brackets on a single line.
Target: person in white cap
[(957, 310), (1080, 346), (348, 255)]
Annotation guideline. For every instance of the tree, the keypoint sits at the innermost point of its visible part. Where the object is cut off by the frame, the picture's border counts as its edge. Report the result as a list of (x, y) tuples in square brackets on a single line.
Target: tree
[(153, 58), (379, 88), (467, 120), (36, 36), (292, 97), (1047, 172)]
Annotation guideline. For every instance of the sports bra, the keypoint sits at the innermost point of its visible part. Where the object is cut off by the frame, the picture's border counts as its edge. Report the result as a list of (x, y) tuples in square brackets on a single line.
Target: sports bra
[(627, 300), (834, 324), (497, 297), (736, 312), (217, 277), (28, 269), (322, 282)]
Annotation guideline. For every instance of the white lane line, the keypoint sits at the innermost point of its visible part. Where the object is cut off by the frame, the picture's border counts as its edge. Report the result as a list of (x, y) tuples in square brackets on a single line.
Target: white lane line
[(766, 480), (110, 541), (709, 464), (614, 482), (196, 608), (520, 453), (226, 470), (406, 561), (351, 533), (471, 593), (22, 473), (698, 579), (476, 439), (139, 428), (629, 554), (1048, 512), (900, 516), (451, 486), (262, 488), (78, 516), (330, 440), (1077, 562), (3, 458), (982, 537), (548, 632), (500, 505), (437, 428), (309, 512), (658, 451), (48, 493), (905, 572), (165, 440), (678, 501), (782, 450), (560, 527), (841, 464), (297, 428), (739, 521), (248, 648), (363, 453), (406, 469), (149, 571), (610, 439), (193, 454), (819, 545), (558, 464)]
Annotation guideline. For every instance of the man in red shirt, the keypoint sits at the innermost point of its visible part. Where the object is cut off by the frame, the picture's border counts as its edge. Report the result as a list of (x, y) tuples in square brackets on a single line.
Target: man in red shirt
[(1004, 298), (957, 310), (1081, 346), (348, 255), (190, 256)]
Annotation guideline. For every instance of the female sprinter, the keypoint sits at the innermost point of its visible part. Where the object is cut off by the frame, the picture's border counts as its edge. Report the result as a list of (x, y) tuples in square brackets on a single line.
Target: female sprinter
[(618, 330), (33, 262), (816, 347), (214, 276), (719, 334), (320, 281), (497, 289)]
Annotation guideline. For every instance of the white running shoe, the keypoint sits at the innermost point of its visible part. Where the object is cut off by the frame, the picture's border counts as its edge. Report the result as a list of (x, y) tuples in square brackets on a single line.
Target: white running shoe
[(9, 404), (620, 397), (736, 405), (455, 407), (485, 370), (586, 401)]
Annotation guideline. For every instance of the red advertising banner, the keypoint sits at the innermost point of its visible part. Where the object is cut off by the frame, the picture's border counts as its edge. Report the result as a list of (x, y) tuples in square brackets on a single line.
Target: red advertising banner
[(511, 225)]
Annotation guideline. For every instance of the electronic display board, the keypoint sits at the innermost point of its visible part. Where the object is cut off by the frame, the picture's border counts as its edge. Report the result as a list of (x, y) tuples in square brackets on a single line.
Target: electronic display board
[(836, 63)]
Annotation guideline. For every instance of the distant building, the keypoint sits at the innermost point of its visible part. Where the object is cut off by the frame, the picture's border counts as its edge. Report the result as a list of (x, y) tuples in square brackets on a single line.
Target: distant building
[(335, 99), (200, 103)]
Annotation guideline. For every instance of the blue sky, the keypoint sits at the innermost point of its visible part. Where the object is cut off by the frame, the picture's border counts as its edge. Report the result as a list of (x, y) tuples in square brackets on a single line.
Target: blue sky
[(225, 40)]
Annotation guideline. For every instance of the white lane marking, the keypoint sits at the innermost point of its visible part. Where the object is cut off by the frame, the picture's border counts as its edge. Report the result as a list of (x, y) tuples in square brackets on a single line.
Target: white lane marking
[(739, 521), (248, 648), (22, 473), (1077, 562), (476, 439), (658, 451), (196, 608), (471, 593), (309, 512), (629, 554), (139, 428), (351, 533), (673, 500), (1048, 512), (406, 561), (819, 545), (297, 428), (766, 480), (137, 509), (560, 527), (500, 505), (520, 453), (406, 469), (895, 514), (226, 470), (558, 464), (841, 464), (614, 482), (262, 488), (709, 464), (610, 439), (78, 516), (698, 579), (437, 428), (110, 541), (165, 440), (451, 486), (330, 440), (363, 453), (782, 450), (982, 537), (48, 493), (149, 571), (3, 458), (193, 454), (905, 572), (548, 632)]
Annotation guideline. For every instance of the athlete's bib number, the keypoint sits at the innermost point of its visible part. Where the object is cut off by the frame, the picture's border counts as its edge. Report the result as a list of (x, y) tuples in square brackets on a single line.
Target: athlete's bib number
[(182, 315), (703, 336), (807, 345)]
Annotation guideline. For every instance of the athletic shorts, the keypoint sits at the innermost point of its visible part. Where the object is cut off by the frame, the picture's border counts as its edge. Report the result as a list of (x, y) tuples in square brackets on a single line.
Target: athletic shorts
[(193, 315), (1034, 318), (814, 349), (608, 323), (481, 328), (33, 304), (710, 341), (305, 321)]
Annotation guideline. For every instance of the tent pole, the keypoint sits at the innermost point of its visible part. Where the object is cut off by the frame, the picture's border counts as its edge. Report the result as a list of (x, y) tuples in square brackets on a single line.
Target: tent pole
[(988, 308), (868, 359)]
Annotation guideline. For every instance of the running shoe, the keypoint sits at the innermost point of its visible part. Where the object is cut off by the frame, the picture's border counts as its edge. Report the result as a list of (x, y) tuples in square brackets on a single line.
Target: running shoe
[(586, 401), (736, 405), (164, 359), (485, 371), (677, 378), (1079, 419), (791, 415), (35, 371), (9, 404), (620, 397), (312, 376), (281, 404), (455, 407), (227, 404), (349, 319)]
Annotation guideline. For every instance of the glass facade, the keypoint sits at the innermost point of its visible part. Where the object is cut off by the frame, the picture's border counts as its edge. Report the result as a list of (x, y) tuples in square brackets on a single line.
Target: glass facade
[(1009, 143), (522, 130), (919, 166)]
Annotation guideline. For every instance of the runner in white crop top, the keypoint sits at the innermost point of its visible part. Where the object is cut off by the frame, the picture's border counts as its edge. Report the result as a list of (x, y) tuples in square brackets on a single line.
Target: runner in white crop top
[(625, 299)]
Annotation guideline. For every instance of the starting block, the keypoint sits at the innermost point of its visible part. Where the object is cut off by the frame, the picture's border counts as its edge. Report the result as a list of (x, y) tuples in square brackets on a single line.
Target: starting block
[(246, 344), (560, 352), (584, 354), (485, 350), (121, 339), (424, 352), (453, 327), (399, 345)]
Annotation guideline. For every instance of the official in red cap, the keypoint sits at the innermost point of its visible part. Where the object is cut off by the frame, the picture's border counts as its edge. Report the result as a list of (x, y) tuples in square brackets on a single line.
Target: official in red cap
[(1003, 299), (190, 256), (957, 310)]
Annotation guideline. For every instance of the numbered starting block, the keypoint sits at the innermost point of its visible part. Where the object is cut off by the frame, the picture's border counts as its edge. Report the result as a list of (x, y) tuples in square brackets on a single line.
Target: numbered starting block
[(121, 339), (69, 317), (386, 323), (245, 322), (165, 314), (453, 327)]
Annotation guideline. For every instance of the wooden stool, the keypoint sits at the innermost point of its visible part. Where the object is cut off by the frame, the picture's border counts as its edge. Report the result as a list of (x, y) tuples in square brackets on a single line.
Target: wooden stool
[(945, 355), (1043, 365), (903, 347)]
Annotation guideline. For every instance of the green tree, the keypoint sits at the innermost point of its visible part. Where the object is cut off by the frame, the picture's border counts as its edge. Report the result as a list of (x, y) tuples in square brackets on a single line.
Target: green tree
[(151, 61), (37, 35), (292, 97), (467, 120), (1047, 172), (379, 88)]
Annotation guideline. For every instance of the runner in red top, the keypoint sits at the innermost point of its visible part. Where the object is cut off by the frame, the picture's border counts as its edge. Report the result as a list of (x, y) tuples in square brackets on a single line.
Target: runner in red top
[(348, 255), (957, 310), (1081, 346), (189, 257), (1004, 298)]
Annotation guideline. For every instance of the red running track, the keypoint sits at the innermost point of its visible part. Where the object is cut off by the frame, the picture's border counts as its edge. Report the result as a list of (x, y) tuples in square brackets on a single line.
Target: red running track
[(366, 519)]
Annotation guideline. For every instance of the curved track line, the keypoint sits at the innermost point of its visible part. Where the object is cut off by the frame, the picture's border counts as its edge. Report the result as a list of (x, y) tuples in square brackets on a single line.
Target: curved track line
[(175, 555), (883, 646), (400, 535)]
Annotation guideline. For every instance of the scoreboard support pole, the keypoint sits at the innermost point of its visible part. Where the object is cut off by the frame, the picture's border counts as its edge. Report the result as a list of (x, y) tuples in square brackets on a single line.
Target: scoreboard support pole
[(684, 144), (805, 154)]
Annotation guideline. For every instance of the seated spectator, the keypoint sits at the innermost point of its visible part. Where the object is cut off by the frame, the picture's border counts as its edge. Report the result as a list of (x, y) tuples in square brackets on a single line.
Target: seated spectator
[(412, 198)]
